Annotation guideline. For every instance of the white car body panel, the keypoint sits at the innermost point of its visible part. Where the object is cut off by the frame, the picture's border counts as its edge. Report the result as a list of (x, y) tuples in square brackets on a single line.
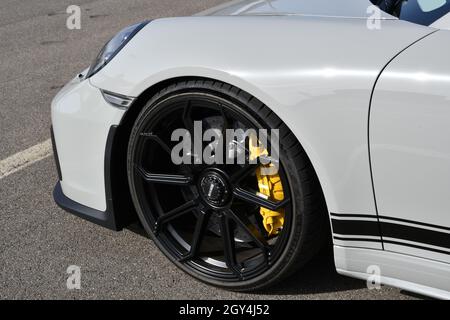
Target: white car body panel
[(422, 276), (81, 121), (317, 73), (442, 23), (410, 140)]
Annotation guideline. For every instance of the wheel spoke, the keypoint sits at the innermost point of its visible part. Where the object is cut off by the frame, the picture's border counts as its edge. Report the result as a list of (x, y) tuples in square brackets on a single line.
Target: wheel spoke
[(173, 214), (199, 232), (158, 140), (253, 198), (172, 179), (229, 245), (247, 226)]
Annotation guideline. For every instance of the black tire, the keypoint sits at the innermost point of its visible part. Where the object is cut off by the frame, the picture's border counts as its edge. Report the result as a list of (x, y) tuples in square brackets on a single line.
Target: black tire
[(309, 223)]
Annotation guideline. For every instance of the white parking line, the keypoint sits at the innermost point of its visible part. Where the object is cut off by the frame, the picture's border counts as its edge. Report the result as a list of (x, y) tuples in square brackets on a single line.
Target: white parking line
[(25, 158)]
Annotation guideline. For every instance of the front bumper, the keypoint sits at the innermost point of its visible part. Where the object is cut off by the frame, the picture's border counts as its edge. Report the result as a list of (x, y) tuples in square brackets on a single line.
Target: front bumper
[(108, 218), (83, 125)]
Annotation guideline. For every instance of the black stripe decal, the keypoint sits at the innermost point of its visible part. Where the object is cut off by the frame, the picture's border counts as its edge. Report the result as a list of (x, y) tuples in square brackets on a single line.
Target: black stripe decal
[(416, 246), (394, 242), (357, 239), (339, 215), (392, 230), (430, 237), (368, 216), (355, 227), (415, 222)]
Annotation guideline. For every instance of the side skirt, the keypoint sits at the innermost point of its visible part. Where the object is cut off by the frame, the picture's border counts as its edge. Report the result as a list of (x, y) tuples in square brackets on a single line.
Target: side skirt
[(418, 275)]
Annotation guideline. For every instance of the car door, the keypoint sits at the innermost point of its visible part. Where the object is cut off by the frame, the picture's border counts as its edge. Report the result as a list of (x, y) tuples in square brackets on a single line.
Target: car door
[(409, 139)]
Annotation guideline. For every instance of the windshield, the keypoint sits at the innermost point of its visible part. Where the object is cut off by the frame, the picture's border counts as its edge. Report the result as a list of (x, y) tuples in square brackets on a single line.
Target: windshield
[(423, 12)]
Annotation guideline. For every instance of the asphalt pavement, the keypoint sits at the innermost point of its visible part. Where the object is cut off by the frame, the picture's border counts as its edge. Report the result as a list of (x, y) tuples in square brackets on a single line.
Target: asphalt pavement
[(39, 241)]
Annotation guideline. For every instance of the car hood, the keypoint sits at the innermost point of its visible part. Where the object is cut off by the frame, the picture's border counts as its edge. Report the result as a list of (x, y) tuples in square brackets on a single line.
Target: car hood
[(323, 8)]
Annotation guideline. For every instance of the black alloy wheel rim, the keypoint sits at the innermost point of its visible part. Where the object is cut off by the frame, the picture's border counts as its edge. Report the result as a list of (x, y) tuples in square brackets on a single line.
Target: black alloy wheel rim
[(205, 217)]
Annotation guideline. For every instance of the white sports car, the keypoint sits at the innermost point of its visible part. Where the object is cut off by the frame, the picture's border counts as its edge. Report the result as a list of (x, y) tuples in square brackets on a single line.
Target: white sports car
[(171, 125)]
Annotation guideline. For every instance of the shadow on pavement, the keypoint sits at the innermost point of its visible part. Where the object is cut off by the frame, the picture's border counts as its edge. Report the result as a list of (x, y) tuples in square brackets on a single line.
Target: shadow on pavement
[(318, 276)]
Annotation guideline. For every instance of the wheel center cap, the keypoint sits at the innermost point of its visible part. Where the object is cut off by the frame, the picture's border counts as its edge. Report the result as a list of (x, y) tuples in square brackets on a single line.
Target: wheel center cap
[(214, 189)]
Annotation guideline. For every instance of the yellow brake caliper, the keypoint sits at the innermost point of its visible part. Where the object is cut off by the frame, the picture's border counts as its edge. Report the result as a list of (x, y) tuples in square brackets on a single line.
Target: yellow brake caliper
[(271, 188)]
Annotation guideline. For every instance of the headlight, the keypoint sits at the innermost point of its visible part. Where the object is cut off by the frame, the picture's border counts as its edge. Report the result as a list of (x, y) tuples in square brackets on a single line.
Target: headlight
[(114, 46)]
